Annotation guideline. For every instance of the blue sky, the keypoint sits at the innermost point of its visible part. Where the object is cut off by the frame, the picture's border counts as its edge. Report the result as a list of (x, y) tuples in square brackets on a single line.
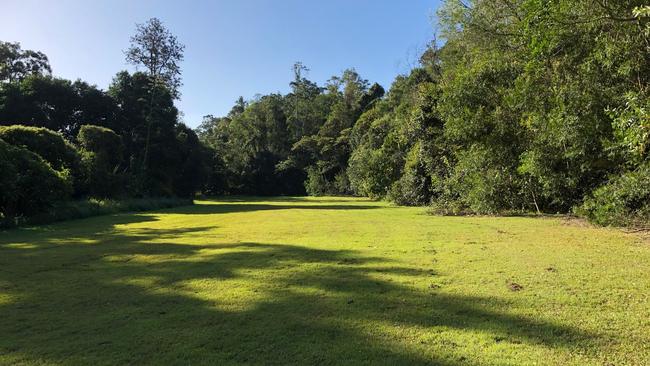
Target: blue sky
[(233, 48)]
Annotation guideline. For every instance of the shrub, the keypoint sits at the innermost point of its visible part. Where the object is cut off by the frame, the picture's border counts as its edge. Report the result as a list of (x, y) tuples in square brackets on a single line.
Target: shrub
[(316, 184), (102, 152), (413, 188), (60, 154), (624, 201), (50, 145), (484, 182), (69, 210), (28, 184), (371, 172), (341, 184)]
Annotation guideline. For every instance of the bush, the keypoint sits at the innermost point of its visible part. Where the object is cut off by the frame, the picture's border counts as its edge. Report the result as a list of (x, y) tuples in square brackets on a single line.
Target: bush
[(50, 145), (341, 184), (414, 187), (102, 152), (69, 210), (60, 154), (484, 182), (624, 201), (371, 172), (28, 184), (316, 184)]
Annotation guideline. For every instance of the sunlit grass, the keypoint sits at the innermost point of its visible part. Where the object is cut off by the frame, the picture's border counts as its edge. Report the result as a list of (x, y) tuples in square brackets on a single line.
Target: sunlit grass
[(322, 281)]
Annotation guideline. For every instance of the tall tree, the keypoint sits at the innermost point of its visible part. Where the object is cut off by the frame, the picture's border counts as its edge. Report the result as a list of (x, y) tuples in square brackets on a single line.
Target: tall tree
[(303, 117), (16, 63), (159, 51), (148, 130)]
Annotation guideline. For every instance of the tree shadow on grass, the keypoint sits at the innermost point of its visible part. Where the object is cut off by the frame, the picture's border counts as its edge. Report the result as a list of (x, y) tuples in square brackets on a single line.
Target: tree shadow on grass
[(221, 208), (290, 199), (99, 295)]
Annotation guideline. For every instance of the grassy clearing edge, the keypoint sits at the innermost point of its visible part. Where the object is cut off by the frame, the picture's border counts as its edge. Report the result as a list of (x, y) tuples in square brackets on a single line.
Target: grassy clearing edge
[(69, 210)]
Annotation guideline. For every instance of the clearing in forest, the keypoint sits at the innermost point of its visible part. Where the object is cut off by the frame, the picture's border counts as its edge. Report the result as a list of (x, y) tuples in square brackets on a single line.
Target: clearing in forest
[(322, 281)]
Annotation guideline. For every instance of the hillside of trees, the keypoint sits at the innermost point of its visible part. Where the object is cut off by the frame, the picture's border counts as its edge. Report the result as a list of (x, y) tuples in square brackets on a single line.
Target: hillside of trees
[(522, 106)]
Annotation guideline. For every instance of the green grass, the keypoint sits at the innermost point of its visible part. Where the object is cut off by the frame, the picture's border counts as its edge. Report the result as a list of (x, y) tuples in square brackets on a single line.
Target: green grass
[(322, 281)]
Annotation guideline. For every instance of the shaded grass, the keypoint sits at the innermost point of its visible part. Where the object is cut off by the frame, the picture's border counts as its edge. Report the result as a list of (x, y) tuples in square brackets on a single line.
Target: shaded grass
[(321, 281), (69, 210)]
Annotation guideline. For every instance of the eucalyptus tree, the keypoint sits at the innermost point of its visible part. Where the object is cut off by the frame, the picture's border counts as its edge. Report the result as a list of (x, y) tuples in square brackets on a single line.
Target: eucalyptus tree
[(159, 51), (16, 63)]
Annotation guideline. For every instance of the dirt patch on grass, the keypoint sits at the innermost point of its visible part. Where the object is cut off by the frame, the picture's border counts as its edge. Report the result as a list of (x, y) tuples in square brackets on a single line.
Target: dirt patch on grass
[(513, 286)]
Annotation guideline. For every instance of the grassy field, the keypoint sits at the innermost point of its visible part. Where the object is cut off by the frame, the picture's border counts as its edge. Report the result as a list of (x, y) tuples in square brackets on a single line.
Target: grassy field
[(322, 281)]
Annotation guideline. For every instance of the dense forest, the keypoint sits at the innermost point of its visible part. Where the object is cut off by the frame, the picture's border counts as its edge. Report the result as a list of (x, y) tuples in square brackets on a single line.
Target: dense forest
[(519, 106)]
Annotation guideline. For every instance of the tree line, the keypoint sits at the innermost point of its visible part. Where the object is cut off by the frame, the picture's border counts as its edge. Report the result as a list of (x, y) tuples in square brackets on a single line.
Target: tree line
[(524, 106), (63, 140), (528, 106)]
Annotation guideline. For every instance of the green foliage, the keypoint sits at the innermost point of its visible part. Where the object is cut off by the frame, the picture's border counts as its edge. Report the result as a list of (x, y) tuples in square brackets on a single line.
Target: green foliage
[(286, 144), (151, 157), (249, 145), (102, 153), (483, 129), (16, 63), (147, 123), (135, 146), (159, 51), (306, 106), (51, 146), (371, 172), (194, 167), (398, 143), (484, 184), (623, 201), (101, 140), (541, 100), (316, 184), (528, 106), (57, 104), (631, 123), (331, 145), (414, 186), (28, 184), (79, 209), (379, 145)]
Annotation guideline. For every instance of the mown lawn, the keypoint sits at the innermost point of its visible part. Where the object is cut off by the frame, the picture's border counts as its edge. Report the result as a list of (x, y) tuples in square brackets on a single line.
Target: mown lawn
[(322, 281)]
